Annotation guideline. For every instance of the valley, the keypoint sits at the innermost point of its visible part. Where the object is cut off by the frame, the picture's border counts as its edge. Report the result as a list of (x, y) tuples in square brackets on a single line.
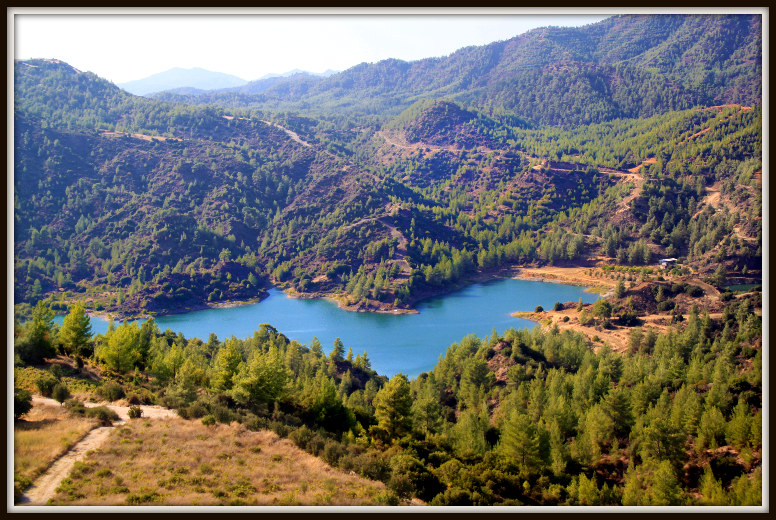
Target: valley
[(368, 287)]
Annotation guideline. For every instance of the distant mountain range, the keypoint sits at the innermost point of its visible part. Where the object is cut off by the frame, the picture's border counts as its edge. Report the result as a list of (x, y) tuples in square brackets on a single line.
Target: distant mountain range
[(198, 80), (623, 67), (177, 77)]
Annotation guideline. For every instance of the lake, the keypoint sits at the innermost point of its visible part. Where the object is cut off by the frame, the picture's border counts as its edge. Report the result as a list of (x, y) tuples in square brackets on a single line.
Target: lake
[(407, 343)]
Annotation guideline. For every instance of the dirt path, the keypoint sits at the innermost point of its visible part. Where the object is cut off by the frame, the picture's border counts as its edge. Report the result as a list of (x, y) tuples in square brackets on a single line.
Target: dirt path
[(401, 248), (293, 135), (392, 140), (46, 485)]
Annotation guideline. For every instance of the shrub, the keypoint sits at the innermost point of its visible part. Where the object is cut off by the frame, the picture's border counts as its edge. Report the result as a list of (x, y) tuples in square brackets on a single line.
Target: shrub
[(222, 414), (135, 412), (409, 476), (666, 305), (22, 402), (208, 420), (133, 399), (301, 436), (453, 497), (629, 319), (75, 407), (57, 370), (103, 414), (332, 452), (694, 291), (565, 318), (539, 308), (60, 393), (255, 423), (316, 444), (401, 485), (558, 306), (370, 465), (282, 430), (111, 391), (143, 497), (195, 410), (46, 384)]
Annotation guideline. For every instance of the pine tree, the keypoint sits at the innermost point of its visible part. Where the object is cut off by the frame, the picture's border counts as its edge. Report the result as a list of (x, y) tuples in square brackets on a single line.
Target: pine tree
[(393, 407), (664, 489), (225, 366), (711, 489), (76, 332), (619, 290), (520, 442), (338, 351), (37, 340)]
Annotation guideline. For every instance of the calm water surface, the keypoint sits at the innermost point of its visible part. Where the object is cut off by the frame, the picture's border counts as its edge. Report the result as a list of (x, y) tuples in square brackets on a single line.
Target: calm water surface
[(407, 343)]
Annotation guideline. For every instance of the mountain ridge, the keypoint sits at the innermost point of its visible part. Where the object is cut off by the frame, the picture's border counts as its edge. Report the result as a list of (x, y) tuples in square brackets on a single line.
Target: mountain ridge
[(619, 53), (178, 77)]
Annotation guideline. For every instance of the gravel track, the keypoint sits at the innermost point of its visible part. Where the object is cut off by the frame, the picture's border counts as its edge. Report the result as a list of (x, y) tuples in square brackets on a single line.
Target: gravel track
[(46, 485)]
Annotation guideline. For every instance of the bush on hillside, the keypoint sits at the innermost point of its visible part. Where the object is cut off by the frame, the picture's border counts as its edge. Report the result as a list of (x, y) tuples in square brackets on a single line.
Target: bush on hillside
[(111, 391), (103, 414), (46, 384), (135, 412), (60, 393), (22, 402)]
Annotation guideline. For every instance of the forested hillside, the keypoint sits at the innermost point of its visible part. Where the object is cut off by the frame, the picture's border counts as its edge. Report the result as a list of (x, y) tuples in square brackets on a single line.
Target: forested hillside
[(525, 418), (623, 67), (599, 149), (146, 207)]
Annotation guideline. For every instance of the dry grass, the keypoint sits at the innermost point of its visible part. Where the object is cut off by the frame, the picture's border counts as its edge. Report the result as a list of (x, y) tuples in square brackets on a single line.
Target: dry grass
[(617, 337), (179, 462), (568, 275), (45, 433)]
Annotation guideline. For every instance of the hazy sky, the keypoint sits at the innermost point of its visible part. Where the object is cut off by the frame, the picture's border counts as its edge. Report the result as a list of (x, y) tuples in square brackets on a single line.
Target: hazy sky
[(124, 47)]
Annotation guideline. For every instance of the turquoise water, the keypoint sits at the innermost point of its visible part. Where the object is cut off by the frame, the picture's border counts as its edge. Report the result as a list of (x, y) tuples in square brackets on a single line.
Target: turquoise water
[(743, 287), (407, 343)]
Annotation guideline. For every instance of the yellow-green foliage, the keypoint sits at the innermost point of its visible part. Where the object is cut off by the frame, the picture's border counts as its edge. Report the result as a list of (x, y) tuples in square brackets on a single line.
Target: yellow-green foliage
[(24, 377)]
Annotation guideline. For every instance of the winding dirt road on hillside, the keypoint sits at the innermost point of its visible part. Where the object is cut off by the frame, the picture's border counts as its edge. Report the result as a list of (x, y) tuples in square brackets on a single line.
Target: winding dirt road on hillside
[(46, 485)]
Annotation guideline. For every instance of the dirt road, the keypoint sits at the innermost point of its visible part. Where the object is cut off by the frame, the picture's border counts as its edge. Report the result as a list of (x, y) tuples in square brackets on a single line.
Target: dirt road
[(46, 485)]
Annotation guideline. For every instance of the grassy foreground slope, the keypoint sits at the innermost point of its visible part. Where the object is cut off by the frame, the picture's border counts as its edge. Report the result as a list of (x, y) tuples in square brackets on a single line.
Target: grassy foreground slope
[(179, 462), (41, 437)]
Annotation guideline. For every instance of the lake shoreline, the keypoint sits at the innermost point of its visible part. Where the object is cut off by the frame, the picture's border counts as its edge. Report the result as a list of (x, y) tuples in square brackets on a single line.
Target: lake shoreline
[(566, 275), (196, 307)]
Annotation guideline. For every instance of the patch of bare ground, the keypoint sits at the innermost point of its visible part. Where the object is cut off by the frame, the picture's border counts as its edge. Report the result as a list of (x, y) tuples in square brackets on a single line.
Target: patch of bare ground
[(616, 337), (645, 162), (713, 198), (394, 139), (144, 137), (179, 462), (578, 275)]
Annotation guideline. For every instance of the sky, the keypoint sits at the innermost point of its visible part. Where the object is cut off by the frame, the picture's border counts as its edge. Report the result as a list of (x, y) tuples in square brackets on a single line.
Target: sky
[(124, 47)]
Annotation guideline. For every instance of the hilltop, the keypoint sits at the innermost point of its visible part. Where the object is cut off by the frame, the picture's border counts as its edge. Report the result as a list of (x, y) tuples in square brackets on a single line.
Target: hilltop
[(144, 207), (175, 78), (623, 67)]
